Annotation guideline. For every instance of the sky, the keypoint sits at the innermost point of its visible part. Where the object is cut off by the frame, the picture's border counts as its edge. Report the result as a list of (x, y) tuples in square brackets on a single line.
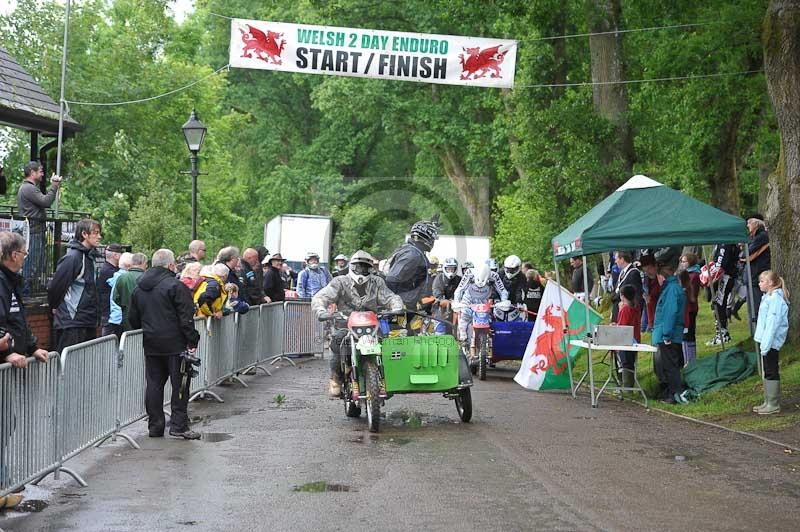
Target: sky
[(181, 7)]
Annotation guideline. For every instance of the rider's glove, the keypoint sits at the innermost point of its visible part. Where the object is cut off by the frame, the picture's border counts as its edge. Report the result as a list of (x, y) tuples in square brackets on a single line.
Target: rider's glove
[(504, 305)]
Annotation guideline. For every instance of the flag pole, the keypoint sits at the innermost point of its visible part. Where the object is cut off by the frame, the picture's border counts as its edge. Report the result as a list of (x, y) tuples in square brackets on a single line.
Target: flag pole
[(589, 337), (564, 329), (61, 102)]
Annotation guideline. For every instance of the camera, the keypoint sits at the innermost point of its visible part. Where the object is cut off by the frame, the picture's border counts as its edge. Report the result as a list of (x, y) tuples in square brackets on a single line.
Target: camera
[(188, 363)]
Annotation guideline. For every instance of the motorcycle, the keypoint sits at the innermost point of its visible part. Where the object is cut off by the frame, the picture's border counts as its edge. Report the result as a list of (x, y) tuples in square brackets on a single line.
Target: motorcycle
[(369, 368), (481, 345)]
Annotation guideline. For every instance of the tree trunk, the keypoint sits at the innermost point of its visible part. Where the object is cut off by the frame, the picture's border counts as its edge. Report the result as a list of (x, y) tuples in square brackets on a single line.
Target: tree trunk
[(720, 163), (474, 192), (608, 66), (782, 68)]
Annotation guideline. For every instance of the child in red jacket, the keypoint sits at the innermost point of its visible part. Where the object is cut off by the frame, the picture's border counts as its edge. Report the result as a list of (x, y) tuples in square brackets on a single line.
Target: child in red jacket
[(629, 314)]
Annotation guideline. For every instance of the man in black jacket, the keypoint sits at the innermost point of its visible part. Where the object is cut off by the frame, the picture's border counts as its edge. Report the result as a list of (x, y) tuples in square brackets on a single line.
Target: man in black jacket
[(629, 274), (253, 278), (72, 292), (162, 307), (12, 309), (273, 283)]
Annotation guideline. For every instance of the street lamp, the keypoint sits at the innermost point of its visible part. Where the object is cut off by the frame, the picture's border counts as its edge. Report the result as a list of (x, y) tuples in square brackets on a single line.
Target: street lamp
[(194, 131)]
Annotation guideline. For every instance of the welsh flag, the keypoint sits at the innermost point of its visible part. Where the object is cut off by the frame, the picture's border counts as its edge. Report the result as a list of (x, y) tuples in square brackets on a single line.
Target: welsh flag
[(544, 366)]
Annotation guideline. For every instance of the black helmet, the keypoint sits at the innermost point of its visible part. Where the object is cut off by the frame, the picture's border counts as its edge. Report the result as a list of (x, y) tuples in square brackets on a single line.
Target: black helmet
[(426, 232), (668, 256)]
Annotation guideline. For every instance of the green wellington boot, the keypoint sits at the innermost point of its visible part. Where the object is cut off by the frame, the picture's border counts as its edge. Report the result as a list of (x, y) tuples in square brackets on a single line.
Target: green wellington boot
[(772, 390)]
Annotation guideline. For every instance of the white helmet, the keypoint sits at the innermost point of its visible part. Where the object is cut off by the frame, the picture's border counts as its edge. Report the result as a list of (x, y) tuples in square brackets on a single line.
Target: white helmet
[(450, 263), (360, 266), (482, 275), (511, 266)]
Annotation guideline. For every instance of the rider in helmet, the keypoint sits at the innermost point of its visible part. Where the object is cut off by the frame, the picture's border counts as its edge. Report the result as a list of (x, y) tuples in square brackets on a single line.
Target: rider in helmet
[(477, 288), (467, 267), (358, 290), (427, 299), (513, 279), (408, 266), (341, 265), (492, 263), (444, 288), (313, 278)]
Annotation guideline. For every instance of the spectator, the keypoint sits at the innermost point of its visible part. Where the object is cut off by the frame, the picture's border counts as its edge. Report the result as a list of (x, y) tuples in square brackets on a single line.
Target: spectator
[(126, 285), (629, 313), (771, 330), (190, 276), (534, 291), (629, 275), (234, 302), (668, 328), (289, 277), (651, 287), (33, 205), (253, 278), (723, 272), (526, 267), (18, 342), (229, 256), (72, 292), (109, 268), (162, 307), (760, 259), (273, 282), (115, 311), (690, 280), (313, 278), (210, 295), (578, 289), (196, 253), (341, 265)]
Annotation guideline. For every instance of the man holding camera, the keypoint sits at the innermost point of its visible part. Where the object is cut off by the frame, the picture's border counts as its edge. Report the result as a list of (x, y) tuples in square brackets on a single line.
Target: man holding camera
[(162, 307)]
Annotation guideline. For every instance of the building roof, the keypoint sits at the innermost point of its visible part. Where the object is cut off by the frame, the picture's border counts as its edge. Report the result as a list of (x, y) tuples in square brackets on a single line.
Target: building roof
[(25, 105)]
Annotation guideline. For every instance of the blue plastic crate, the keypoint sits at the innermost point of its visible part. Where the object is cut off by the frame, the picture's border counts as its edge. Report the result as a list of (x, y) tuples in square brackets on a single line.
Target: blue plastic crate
[(510, 338)]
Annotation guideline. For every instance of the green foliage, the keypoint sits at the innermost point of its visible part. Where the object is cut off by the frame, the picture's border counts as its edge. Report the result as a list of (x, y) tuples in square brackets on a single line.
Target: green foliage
[(378, 155)]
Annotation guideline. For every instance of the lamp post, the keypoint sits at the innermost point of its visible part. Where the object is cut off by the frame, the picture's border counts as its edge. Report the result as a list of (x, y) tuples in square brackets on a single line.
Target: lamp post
[(194, 131)]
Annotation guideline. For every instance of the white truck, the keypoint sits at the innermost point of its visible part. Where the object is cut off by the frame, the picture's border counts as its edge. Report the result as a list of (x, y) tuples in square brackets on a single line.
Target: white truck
[(475, 249), (294, 235)]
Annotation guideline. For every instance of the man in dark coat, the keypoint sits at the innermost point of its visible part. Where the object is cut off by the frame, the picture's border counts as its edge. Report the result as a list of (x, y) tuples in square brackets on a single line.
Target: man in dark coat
[(629, 274), (72, 292), (252, 277), (273, 283), (163, 308), (407, 275)]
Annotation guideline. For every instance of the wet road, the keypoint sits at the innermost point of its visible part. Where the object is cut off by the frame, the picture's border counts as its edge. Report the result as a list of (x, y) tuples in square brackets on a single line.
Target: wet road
[(527, 462)]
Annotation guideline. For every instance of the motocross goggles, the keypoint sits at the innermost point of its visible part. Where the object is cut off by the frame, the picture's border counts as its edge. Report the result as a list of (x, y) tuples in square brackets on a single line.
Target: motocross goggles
[(361, 268)]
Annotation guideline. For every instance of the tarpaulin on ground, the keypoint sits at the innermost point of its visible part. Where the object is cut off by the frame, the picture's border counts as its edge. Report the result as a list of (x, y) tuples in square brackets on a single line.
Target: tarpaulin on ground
[(428, 58), (714, 372)]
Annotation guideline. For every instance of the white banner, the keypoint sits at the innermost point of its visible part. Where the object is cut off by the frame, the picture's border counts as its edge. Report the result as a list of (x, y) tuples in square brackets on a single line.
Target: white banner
[(426, 58)]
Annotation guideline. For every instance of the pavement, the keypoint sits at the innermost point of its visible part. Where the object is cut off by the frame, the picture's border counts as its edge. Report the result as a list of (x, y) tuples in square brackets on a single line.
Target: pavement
[(527, 461)]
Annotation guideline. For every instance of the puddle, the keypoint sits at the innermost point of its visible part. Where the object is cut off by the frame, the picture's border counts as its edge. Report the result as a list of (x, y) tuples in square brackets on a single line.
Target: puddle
[(31, 505), (214, 437), (374, 439), (414, 420), (320, 487)]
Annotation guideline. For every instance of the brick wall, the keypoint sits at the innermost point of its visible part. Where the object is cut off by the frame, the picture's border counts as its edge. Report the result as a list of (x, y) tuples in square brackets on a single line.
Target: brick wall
[(40, 325)]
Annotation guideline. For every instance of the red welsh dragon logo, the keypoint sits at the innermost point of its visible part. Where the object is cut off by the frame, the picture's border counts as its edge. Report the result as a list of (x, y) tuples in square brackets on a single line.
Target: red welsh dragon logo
[(266, 46), (479, 62), (548, 344)]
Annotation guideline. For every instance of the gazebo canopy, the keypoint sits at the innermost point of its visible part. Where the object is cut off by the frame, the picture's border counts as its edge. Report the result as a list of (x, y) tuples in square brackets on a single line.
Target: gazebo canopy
[(644, 213)]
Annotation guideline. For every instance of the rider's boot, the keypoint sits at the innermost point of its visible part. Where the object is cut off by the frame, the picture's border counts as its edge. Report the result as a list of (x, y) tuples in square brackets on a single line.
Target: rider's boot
[(335, 387)]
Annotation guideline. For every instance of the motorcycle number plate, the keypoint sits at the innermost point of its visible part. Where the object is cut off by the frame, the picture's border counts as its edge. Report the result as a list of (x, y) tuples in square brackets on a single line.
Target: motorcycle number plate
[(370, 349)]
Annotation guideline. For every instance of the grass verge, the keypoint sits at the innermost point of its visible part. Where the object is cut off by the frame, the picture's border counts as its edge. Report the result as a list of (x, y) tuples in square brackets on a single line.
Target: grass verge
[(730, 406)]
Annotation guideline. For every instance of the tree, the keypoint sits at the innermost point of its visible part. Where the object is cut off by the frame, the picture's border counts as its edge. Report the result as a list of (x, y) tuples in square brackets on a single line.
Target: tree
[(782, 67)]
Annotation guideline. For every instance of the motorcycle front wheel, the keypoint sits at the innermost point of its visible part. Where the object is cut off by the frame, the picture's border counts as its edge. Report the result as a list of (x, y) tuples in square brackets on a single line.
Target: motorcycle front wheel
[(372, 375), (482, 345), (464, 404)]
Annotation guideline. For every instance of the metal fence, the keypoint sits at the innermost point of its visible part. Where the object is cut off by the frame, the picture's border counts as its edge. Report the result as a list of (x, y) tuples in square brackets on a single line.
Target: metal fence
[(53, 411)]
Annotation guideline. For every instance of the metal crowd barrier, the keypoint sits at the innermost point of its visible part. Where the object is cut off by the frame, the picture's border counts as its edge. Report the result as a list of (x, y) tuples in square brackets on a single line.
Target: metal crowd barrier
[(303, 333), (28, 425), (53, 411)]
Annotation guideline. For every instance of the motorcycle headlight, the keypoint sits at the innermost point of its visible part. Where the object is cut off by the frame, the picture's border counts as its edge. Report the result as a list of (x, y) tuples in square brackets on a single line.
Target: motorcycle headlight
[(359, 330)]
